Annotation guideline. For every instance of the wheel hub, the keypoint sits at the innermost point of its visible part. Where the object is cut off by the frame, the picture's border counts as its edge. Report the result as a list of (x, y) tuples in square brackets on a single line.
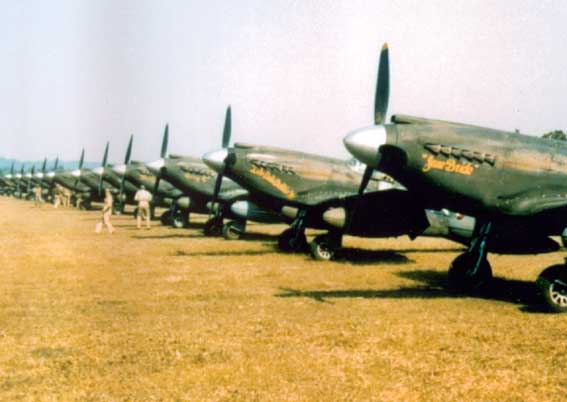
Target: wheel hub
[(558, 293)]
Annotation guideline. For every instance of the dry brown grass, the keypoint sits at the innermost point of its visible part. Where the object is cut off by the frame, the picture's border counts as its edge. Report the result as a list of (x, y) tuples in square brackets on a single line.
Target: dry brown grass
[(168, 315)]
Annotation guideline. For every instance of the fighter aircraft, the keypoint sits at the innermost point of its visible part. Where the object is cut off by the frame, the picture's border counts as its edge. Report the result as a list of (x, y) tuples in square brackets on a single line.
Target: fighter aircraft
[(137, 174), (508, 181), (318, 192), (197, 181), (8, 180)]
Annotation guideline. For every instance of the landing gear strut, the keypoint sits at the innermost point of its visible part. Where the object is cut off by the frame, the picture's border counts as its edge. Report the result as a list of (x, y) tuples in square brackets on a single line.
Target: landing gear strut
[(471, 270), (324, 247), (233, 230), (213, 227), (293, 239)]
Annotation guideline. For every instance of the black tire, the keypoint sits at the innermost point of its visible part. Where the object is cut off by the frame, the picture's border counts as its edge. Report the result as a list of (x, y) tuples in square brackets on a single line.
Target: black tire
[(231, 231), (289, 242), (461, 276), (322, 248), (552, 285), (165, 219), (180, 220), (213, 227)]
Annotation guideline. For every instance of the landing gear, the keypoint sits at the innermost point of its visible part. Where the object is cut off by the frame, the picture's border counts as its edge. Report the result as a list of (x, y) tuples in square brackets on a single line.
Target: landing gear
[(471, 270), (213, 227), (180, 219), (466, 274), (118, 208), (292, 241), (552, 284), (165, 218), (233, 230), (324, 247)]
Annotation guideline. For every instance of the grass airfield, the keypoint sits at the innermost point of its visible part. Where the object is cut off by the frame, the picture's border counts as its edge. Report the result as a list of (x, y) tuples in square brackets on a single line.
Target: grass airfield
[(169, 315)]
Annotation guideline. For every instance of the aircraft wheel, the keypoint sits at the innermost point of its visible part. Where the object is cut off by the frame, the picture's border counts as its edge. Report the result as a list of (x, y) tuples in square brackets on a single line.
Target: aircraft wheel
[(180, 220), (462, 276), (165, 219), (136, 213), (231, 231), (213, 227), (552, 283), (564, 238), (291, 242), (322, 248)]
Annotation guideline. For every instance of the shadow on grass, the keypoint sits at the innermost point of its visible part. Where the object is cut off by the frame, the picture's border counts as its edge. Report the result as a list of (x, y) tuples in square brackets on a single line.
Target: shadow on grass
[(200, 235), (433, 285), (236, 253), (360, 257)]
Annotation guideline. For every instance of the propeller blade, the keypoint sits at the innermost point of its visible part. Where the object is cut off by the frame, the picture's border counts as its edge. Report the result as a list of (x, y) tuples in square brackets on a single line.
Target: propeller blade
[(156, 185), (382, 87), (105, 156), (164, 142), (82, 159), (104, 159), (217, 188), (56, 163), (225, 142), (129, 150), (126, 161), (365, 179), (227, 128), (30, 179), (363, 184), (44, 164), (12, 169)]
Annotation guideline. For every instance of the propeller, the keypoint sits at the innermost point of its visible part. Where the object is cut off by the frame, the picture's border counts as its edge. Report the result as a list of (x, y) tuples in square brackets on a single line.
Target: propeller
[(44, 165), (56, 163), (126, 161), (104, 159), (225, 141), (32, 171), (81, 161), (163, 154), (381, 98), (12, 169)]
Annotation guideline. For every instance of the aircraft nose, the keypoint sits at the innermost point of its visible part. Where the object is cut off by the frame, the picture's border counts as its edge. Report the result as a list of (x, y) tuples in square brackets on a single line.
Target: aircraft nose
[(76, 173), (99, 170), (120, 169), (156, 166), (51, 174), (215, 160), (335, 217), (364, 144)]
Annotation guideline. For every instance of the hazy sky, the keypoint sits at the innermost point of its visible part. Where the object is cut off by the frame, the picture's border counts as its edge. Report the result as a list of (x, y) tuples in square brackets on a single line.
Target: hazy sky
[(299, 74)]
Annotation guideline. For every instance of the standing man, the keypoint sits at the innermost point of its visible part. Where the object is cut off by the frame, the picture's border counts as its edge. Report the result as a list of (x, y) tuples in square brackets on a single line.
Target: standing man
[(106, 213), (143, 197), (37, 196)]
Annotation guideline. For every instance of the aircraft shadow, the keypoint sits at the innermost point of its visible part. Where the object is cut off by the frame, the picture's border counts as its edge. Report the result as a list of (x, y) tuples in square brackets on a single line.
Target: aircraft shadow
[(360, 257), (433, 285), (182, 253), (166, 236)]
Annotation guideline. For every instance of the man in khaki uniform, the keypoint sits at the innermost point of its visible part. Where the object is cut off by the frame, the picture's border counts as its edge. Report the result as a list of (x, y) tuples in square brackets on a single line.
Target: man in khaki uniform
[(106, 213), (143, 197), (37, 196), (66, 196)]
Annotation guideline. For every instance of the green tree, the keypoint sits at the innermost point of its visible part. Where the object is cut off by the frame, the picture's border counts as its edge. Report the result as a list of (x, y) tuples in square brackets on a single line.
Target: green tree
[(556, 135)]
